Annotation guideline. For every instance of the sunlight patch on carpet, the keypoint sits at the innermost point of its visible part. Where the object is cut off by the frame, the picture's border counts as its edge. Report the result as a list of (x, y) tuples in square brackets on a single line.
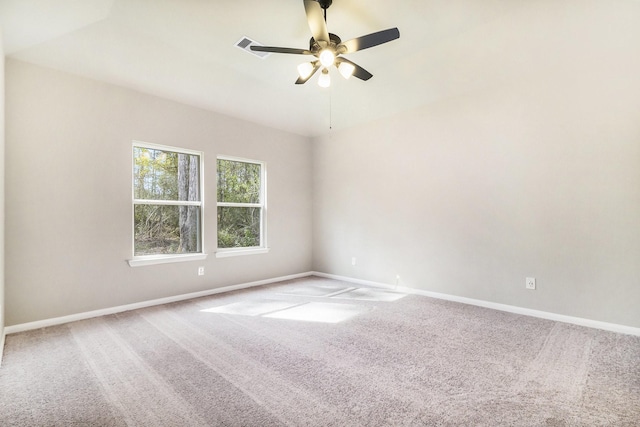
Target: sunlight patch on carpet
[(316, 290), (287, 310), (319, 312), (251, 308)]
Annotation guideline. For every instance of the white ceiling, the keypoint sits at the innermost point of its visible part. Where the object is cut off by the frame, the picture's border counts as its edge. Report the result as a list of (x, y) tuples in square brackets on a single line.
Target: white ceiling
[(185, 50)]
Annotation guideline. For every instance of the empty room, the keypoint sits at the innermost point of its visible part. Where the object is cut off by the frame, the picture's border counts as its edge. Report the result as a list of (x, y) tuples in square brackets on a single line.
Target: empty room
[(320, 213)]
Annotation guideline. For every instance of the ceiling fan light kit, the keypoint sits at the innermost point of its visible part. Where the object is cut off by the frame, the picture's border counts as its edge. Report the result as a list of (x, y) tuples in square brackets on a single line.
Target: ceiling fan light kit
[(305, 70), (327, 58), (346, 69), (324, 80), (328, 48)]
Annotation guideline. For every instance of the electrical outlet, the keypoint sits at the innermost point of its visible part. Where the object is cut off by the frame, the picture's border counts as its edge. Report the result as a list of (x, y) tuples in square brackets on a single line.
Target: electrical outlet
[(353, 260), (530, 283), (200, 271)]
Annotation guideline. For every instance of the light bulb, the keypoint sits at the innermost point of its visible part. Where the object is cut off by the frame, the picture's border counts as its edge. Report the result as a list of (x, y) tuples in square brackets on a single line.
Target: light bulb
[(324, 80), (327, 58), (305, 70), (346, 69)]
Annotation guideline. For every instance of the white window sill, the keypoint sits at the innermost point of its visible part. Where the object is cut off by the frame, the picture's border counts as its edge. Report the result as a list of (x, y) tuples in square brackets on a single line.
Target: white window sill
[(164, 259), (240, 251)]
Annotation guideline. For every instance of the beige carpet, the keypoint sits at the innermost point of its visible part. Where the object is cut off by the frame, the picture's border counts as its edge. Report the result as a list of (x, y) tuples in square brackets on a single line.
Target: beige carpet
[(316, 352)]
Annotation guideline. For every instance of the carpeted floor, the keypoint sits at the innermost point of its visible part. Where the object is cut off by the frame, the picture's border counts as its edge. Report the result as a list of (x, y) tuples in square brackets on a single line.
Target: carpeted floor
[(317, 352)]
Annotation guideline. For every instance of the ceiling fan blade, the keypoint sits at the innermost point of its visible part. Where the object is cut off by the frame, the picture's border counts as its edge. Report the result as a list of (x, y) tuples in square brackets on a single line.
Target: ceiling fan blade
[(316, 67), (317, 25), (370, 40), (272, 49), (359, 72)]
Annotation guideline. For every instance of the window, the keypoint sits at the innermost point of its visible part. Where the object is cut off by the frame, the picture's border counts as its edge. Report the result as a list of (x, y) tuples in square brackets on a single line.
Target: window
[(241, 206), (167, 202)]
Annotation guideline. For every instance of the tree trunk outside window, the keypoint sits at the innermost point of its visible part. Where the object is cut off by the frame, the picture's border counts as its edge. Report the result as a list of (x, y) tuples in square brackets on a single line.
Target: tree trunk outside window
[(188, 190)]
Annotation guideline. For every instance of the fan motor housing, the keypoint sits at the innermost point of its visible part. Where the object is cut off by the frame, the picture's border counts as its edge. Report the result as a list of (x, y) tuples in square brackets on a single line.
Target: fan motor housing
[(315, 47), (325, 3)]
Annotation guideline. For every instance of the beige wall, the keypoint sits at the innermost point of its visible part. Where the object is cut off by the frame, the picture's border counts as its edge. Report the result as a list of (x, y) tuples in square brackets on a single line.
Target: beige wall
[(535, 175), (530, 167), (2, 168), (68, 199)]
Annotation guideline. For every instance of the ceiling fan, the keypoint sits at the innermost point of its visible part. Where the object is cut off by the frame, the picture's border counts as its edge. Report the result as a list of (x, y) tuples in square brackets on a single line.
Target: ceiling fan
[(328, 47)]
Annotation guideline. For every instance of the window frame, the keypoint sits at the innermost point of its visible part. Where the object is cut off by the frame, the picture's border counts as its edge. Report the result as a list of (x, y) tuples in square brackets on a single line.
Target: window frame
[(142, 260), (248, 250)]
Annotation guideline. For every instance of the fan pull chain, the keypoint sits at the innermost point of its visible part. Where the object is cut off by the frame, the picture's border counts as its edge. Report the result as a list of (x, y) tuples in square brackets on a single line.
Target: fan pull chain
[(330, 117)]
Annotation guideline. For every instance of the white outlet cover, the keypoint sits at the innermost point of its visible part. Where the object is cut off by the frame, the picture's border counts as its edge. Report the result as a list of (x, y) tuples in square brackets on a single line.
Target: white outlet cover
[(530, 283)]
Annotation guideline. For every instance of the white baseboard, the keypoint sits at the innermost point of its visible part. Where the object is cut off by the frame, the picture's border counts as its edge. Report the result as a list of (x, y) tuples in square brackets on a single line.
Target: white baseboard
[(612, 327), (629, 330), (128, 307), (2, 336)]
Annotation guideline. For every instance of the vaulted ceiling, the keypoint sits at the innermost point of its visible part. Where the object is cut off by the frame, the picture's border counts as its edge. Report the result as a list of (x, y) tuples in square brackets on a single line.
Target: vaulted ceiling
[(185, 50)]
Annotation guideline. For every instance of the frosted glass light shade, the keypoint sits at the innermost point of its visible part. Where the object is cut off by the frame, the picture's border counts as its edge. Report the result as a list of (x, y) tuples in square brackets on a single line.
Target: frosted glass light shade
[(346, 69), (324, 80), (327, 58), (305, 69)]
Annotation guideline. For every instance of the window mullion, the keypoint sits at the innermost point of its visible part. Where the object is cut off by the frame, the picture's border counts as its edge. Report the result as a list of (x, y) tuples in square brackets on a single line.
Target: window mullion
[(166, 202), (239, 205)]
